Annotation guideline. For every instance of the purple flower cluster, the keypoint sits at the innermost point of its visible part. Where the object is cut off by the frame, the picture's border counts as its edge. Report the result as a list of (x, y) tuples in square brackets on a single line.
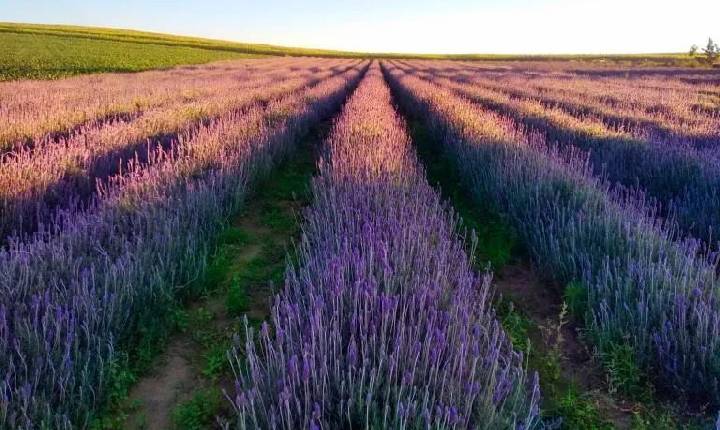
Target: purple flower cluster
[(382, 323), (645, 288), (77, 292)]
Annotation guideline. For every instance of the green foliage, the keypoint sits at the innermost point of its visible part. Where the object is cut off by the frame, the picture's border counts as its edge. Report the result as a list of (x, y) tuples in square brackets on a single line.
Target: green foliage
[(496, 242), (549, 366), (200, 326), (216, 361), (150, 344), (654, 421), (515, 324), (578, 411), (144, 37), (575, 295), (216, 271), (667, 417), (237, 301), (624, 374), (277, 218), (235, 236), (199, 412), (121, 377), (124, 371)]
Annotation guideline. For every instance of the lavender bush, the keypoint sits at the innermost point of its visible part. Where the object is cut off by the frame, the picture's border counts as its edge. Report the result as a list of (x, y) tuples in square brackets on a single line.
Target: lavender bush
[(382, 323)]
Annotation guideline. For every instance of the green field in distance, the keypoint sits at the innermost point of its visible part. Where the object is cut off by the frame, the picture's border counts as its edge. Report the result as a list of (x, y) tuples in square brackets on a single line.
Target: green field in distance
[(38, 51)]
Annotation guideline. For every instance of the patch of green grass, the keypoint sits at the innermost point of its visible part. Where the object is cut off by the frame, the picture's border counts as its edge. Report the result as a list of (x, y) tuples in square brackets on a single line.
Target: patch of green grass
[(234, 235), (496, 242), (237, 301), (575, 295), (277, 218), (561, 398), (654, 421), (516, 325), (201, 327), (624, 374), (216, 361), (221, 263), (662, 417), (578, 411), (267, 267), (121, 378), (199, 412)]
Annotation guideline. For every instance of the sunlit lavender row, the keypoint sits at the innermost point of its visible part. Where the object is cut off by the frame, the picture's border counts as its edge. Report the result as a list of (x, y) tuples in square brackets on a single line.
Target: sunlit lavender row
[(35, 183), (35, 110), (658, 106), (73, 297), (644, 291), (684, 180), (382, 323)]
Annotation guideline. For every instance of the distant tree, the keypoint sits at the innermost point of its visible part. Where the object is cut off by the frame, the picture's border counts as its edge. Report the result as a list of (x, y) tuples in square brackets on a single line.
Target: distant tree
[(712, 52), (693, 50)]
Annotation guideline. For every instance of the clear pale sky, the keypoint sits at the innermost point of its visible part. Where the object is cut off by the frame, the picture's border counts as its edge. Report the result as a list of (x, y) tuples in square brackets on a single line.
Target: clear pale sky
[(453, 26)]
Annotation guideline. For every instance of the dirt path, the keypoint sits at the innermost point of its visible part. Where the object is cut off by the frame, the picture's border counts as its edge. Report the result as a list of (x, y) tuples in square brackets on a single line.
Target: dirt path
[(157, 394), (556, 348), (184, 388)]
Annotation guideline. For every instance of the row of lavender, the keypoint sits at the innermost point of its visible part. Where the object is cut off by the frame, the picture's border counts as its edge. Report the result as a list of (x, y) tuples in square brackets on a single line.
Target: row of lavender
[(684, 180), (71, 298), (31, 110), (657, 107), (645, 290), (383, 323), (57, 175)]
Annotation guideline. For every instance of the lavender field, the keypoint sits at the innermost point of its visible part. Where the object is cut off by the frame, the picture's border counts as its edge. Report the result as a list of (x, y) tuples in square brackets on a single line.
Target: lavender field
[(279, 228)]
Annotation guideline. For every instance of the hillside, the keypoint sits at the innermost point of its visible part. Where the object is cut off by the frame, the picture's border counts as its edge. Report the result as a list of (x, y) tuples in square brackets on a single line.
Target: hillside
[(39, 51), (52, 51)]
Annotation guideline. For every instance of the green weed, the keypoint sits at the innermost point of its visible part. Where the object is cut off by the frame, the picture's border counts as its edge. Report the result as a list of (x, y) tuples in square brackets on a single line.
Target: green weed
[(237, 301), (624, 374), (575, 295), (216, 361), (199, 412), (516, 325), (578, 411)]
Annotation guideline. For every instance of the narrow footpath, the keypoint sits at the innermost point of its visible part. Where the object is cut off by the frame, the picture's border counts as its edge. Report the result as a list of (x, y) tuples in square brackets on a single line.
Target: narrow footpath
[(184, 387)]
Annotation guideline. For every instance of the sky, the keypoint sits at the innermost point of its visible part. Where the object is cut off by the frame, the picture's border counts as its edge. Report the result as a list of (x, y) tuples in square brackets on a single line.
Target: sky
[(419, 26)]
